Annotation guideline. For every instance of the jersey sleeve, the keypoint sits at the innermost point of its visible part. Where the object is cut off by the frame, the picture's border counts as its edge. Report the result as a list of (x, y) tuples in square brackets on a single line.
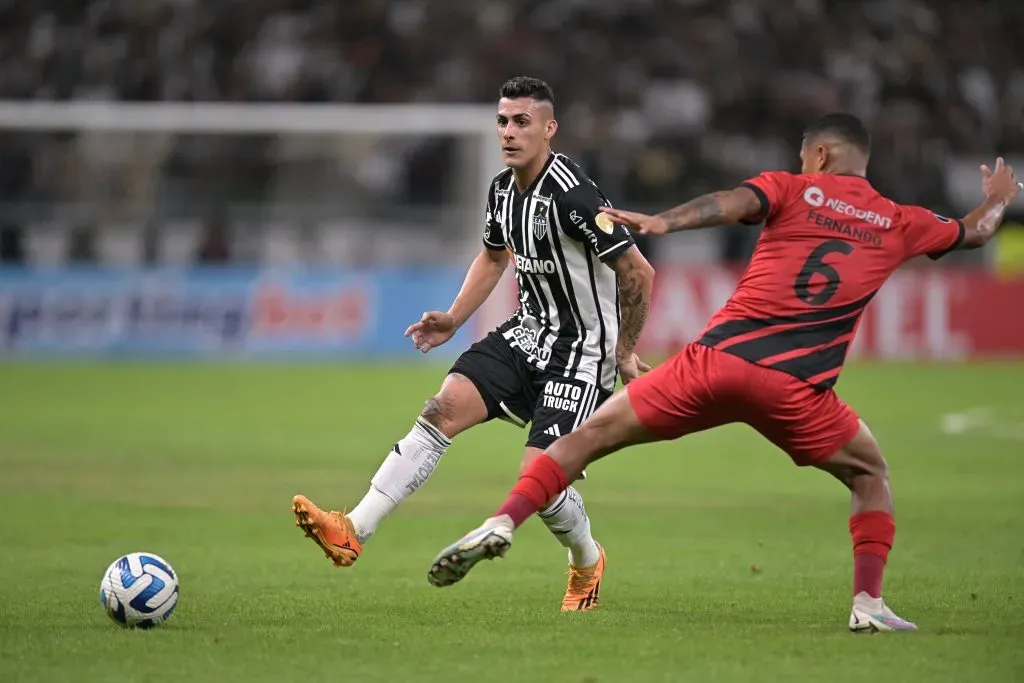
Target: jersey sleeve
[(772, 189), (926, 232), (580, 218), (493, 238)]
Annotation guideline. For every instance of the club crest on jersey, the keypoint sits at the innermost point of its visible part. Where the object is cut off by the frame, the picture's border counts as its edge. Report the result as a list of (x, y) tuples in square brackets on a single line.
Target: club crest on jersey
[(540, 218)]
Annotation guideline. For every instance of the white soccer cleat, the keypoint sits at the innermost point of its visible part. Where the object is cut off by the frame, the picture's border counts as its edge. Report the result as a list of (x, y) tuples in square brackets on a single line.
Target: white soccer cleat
[(871, 615), (491, 539)]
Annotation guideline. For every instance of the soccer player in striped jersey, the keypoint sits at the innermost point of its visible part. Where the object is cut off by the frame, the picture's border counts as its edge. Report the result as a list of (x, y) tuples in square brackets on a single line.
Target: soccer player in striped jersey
[(771, 356), (584, 294)]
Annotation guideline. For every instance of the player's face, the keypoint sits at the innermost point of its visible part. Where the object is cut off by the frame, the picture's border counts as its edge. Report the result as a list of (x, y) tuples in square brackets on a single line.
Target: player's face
[(525, 129)]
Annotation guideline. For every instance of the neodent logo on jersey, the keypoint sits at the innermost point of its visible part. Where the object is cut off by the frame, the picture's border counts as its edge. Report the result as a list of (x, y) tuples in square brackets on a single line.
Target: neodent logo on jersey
[(814, 196)]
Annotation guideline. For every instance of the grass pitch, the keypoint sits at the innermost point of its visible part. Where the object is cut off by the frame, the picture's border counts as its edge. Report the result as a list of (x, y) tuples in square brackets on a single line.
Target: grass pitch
[(726, 563)]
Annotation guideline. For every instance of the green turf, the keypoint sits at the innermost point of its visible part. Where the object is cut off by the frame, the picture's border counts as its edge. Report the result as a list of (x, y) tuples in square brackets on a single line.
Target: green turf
[(725, 562)]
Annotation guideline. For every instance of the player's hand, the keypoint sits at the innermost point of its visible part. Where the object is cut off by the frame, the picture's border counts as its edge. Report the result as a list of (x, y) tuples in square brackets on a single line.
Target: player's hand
[(639, 223), (432, 330), (1000, 183), (631, 367)]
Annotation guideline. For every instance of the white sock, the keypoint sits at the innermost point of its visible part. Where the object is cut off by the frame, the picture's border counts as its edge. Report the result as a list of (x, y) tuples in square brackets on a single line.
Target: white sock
[(865, 602), (407, 467), (567, 519)]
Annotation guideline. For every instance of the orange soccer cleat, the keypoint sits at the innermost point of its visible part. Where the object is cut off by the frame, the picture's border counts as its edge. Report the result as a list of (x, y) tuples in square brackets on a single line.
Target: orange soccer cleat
[(584, 589), (332, 531)]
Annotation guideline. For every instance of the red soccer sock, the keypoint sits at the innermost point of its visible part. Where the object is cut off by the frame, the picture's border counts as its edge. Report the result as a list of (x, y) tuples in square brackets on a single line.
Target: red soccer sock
[(542, 480), (872, 533)]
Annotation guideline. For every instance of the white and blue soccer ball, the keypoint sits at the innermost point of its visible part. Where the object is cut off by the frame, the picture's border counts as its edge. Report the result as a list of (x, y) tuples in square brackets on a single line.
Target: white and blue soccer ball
[(139, 590)]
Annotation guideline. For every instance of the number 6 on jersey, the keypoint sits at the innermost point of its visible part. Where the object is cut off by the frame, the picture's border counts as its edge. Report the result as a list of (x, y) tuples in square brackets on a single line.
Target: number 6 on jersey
[(818, 227)]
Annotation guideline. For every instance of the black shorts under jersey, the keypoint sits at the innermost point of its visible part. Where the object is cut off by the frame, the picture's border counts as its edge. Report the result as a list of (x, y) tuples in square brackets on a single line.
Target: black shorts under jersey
[(516, 391)]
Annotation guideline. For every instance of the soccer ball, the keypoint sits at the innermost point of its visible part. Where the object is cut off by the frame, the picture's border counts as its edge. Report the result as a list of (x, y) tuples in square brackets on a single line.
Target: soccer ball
[(139, 590)]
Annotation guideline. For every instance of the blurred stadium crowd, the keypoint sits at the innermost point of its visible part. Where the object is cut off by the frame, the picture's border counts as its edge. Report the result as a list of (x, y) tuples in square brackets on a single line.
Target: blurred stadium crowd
[(659, 99)]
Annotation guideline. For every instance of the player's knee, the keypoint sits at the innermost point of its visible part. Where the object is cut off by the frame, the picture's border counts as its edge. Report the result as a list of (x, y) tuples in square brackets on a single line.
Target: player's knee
[(867, 455), (435, 412), (869, 479), (864, 455), (859, 463), (881, 468)]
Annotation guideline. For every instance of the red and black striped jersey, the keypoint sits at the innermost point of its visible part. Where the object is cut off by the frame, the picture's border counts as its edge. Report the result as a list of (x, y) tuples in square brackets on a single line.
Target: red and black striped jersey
[(828, 245)]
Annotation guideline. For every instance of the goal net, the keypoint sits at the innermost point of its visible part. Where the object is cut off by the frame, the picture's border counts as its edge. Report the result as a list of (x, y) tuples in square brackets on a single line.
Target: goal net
[(265, 184)]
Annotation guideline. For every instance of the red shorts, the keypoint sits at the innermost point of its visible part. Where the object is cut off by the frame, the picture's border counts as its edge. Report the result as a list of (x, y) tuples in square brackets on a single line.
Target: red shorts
[(700, 388)]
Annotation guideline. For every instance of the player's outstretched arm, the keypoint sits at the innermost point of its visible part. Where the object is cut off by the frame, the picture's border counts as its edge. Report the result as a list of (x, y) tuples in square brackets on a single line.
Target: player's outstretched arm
[(635, 277), (1000, 187), (483, 276), (710, 210), (436, 327)]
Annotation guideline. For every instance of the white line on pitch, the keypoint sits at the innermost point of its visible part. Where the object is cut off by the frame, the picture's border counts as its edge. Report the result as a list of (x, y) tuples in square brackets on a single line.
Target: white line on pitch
[(980, 421)]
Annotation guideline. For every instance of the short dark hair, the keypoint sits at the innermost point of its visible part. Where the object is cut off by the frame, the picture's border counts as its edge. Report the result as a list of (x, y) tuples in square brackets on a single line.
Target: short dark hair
[(526, 86), (847, 127)]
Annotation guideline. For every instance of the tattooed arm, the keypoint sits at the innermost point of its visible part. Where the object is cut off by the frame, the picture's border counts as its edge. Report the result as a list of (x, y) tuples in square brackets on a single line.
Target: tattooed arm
[(635, 278), (718, 208), (579, 217)]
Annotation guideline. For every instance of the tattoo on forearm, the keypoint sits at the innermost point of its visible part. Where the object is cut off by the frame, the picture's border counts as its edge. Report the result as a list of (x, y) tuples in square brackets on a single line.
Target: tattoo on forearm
[(634, 304), (703, 212)]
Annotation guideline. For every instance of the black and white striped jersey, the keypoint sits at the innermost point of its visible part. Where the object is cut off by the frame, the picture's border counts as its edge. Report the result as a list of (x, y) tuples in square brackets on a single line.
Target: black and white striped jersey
[(568, 316)]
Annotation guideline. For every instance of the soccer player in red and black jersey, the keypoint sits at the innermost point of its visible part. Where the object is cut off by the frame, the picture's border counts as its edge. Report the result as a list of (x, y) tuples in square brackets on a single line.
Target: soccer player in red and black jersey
[(770, 357)]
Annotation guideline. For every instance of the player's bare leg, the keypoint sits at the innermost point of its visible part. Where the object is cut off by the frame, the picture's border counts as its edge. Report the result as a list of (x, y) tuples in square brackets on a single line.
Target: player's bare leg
[(615, 425), (565, 516), (860, 466), (456, 407)]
